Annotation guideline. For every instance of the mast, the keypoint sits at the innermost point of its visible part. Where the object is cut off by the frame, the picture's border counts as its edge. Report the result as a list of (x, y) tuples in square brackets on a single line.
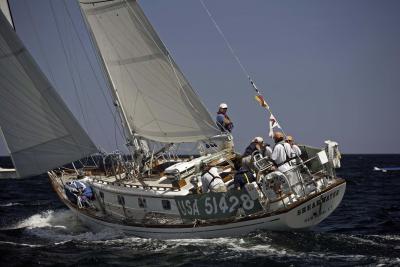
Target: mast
[(133, 141)]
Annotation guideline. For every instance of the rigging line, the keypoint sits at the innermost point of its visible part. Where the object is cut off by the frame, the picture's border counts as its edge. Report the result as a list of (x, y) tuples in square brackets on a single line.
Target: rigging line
[(92, 68), (78, 83), (36, 34), (187, 98), (231, 50), (110, 85), (133, 80), (236, 57), (75, 57), (133, 42), (69, 65), (162, 51), (226, 40)]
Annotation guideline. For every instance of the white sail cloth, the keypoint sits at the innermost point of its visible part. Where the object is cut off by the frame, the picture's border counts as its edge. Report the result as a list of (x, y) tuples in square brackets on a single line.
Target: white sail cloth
[(157, 100), (5, 8), (40, 131)]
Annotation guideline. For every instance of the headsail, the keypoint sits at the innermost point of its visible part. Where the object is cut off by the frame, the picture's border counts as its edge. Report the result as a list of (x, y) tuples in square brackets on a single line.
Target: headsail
[(5, 8), (158, 102), (40, 131)]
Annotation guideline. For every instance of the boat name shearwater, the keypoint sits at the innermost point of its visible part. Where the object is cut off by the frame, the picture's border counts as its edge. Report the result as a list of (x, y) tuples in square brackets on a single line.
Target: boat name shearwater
[(309, 209)]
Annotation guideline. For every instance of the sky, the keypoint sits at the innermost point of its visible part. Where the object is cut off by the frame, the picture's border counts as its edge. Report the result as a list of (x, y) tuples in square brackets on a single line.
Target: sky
[(328, 69)]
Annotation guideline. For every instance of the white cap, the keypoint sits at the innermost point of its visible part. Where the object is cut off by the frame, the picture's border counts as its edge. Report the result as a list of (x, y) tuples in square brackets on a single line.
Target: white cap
[(258, 139), (223, 105), (214, 171)]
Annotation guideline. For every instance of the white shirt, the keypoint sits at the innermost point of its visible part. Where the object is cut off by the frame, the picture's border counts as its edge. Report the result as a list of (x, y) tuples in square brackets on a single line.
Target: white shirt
[(279, 155), (268, 152), (296, 150), (206, 183)]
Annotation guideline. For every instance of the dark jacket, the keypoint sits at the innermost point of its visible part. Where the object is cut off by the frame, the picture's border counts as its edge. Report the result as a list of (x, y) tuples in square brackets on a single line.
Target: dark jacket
[(250, 149), (242, 177)]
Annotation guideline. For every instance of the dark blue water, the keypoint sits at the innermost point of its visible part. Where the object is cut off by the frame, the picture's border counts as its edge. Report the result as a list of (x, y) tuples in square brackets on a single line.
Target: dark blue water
[(36, 229)]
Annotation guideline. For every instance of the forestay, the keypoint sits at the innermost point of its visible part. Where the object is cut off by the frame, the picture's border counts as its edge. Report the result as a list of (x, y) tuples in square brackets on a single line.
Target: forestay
[(157, 100), (40, 131)]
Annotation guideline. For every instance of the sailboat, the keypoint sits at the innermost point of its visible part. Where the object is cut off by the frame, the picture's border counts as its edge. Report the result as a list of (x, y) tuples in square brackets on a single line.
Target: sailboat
[(151, 193)]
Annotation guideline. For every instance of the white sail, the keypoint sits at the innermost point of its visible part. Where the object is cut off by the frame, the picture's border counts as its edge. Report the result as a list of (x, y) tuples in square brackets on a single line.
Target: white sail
[(5, 8), (158, 102), (40, 131)]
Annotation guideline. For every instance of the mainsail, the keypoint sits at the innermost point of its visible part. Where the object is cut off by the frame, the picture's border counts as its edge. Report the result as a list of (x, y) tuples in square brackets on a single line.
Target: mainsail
[(157, 100), (40, 131)]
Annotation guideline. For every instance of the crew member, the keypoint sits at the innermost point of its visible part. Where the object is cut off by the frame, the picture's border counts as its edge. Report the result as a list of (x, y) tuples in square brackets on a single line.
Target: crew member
[(255, 145), (211, 181), (242, 177), (223, 121), (295, 149), (281, 153), (281, 157), (267, 151)]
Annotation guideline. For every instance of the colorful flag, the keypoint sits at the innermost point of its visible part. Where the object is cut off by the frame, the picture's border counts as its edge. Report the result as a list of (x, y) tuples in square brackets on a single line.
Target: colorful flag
[(260, 99), (272, 124)]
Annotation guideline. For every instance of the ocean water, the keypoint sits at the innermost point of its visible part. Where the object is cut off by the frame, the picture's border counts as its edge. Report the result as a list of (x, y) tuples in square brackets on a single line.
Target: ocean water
[(37, 229)]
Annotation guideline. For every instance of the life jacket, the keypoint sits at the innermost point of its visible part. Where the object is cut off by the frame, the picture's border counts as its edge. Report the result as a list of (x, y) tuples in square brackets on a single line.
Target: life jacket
[(209, 187), (242, 177), (250, 149), (288, 157), (225, 127)]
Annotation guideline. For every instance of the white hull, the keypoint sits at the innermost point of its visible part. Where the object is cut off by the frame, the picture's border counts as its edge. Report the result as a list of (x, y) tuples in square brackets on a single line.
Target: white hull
[(301, 216)]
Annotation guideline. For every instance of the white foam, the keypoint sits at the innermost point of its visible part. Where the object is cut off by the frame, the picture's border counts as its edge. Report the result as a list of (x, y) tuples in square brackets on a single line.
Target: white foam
[(387, 237), (233, 244), (62, 226), (10, 204), (361, 240), (20, 244), (50, 218)]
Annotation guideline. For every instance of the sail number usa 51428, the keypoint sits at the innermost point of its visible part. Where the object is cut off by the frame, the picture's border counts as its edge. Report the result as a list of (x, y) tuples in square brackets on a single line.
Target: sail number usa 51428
[(216, 205)]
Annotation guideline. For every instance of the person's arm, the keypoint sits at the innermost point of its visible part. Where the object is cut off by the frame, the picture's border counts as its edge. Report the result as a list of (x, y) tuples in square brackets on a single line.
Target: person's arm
[(226, 120), (220, 119), (258, 146), (275, 154), (268, 152), (297, 150), (237, 181)]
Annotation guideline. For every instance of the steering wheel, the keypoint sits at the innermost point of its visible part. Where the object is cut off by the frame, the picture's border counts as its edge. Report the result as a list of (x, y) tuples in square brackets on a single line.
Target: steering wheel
[(256, 155)]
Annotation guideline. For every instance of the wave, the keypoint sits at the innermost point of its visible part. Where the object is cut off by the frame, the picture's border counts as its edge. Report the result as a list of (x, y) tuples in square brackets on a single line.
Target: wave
[(61, 226), (20, 244), (10, 204)]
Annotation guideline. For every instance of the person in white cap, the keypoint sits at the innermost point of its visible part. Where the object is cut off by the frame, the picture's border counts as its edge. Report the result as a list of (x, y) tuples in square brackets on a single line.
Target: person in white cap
[(255, 145), (281, 153), (295, 148), (223, 121), (211, 181), (282, 157)]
